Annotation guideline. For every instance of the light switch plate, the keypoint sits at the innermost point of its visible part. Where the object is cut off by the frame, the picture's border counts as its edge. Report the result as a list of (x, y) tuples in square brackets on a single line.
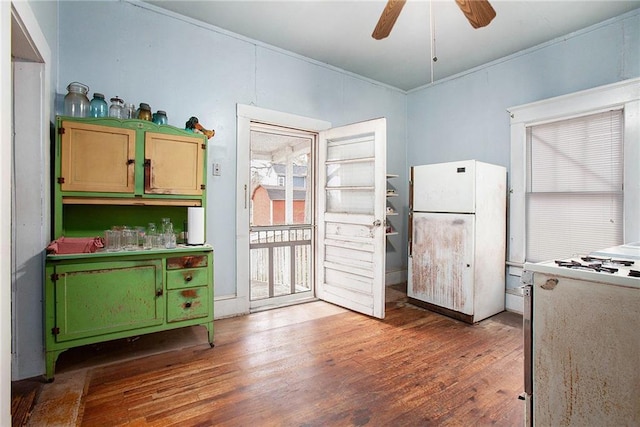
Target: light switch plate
[(216, 169)]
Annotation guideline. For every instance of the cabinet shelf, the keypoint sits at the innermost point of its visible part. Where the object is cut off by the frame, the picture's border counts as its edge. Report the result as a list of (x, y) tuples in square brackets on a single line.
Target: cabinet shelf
[(391, 175), (130, 201)]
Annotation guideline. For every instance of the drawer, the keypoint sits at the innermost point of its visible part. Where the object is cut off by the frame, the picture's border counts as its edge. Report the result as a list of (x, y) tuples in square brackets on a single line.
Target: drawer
[(191, 303), (188, 261), (187, 278)]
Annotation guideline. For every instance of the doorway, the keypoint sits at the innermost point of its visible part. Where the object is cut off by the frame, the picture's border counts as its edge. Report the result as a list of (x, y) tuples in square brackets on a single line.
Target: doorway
[(281, 215), (351, 272)]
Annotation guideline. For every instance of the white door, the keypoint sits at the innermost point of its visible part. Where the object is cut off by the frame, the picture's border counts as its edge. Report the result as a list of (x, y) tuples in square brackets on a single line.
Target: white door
[(351, 210), (441, 261)]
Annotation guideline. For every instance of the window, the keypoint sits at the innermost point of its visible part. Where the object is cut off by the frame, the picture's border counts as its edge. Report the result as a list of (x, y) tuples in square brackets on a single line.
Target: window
[(529, 184), (574, 186)]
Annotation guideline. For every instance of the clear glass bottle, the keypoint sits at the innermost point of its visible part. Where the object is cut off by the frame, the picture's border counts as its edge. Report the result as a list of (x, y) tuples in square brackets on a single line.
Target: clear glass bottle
[(76, 103), (116, 108), (130, 111), (98, 106)]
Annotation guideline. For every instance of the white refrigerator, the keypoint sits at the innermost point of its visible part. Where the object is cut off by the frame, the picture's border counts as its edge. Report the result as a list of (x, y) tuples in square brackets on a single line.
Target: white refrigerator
[(457, 238)]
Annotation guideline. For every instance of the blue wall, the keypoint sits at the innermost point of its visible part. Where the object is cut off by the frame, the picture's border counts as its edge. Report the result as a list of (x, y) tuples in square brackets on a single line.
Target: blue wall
[(465, 117), (142, 55)]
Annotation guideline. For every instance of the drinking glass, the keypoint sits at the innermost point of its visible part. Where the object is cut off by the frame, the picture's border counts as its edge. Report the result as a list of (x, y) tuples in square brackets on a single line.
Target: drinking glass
[(130, 239), (112, 241)]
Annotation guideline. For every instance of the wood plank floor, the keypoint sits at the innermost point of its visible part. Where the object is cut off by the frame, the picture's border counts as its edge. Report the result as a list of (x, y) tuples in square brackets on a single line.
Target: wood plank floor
[(318, 365), (309, 365)]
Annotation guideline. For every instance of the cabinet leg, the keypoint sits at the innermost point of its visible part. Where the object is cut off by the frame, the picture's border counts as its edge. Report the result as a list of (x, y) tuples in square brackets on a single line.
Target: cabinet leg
[(50, 364), (209, 327)]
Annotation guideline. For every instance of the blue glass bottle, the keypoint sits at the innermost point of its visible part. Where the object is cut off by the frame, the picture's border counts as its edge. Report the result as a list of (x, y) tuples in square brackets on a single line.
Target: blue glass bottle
[(98, 106), (160, 118)]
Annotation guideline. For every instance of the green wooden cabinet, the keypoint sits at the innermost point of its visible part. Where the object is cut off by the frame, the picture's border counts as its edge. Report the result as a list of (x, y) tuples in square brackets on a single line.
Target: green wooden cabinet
[(103, 296), (112, 172)]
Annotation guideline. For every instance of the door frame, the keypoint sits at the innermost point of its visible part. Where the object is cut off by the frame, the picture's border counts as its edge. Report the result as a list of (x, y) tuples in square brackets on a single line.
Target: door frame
[(29, 46), (245, 115)]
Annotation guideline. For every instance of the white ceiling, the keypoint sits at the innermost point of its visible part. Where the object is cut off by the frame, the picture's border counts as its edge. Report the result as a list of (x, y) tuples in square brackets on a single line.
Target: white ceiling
[(338, 32)]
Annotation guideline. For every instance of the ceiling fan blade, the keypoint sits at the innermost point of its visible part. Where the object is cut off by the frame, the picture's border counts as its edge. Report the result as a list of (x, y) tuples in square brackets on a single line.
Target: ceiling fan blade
[(388, 18), (478, 12)]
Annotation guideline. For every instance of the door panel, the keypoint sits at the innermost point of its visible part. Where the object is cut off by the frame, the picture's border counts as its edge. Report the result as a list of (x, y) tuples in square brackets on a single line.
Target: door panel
[(442, 260), (351, 209)]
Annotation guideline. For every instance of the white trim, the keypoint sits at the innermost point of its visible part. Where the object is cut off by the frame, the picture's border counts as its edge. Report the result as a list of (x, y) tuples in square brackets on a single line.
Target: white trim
[(514, 303), (624, 94), (393, 277), (5, 214), (245, 115)]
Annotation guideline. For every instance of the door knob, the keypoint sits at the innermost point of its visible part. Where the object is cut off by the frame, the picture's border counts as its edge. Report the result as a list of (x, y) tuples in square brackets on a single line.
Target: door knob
[(377, 223)]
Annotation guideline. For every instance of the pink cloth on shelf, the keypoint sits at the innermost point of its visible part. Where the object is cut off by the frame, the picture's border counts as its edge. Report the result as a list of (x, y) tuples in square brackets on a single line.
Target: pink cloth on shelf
[(75, 245)]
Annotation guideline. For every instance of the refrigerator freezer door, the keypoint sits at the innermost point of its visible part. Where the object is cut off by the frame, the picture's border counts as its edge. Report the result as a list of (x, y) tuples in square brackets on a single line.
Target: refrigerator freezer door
[(444, 187), (441, 267)]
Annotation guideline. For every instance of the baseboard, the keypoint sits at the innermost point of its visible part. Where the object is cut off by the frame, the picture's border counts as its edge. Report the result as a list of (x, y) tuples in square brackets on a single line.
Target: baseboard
[(514, 302), (395, 276), (229, 306)]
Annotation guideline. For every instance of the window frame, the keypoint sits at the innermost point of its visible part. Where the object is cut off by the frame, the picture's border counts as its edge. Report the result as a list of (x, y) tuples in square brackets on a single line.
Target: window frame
[(623, 95)]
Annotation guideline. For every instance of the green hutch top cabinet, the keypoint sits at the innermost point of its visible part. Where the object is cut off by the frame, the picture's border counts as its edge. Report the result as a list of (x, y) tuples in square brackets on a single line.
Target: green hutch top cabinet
[(112, 172)]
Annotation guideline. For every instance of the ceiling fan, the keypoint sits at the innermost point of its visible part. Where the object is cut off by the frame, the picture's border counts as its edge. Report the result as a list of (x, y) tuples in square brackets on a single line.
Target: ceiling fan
[(478, 12)]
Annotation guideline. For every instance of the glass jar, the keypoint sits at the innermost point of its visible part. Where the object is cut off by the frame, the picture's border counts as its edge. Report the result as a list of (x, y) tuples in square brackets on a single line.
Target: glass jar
[(116, 108), (160, 118), (130, 111), (98, 106), (144, 112), (76, 103)]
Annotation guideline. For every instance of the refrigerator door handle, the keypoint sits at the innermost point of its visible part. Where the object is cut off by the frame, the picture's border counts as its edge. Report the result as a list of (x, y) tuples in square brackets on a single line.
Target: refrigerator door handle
[(527, 317), (410, 233), (527, 331)]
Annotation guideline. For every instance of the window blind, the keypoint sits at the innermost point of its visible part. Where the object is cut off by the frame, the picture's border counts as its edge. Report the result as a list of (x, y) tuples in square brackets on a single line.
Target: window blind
[(574, 198)]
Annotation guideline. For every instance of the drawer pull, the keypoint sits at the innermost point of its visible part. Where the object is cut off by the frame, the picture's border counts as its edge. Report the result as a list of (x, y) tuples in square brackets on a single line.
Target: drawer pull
[(187, 305), (188, 278)]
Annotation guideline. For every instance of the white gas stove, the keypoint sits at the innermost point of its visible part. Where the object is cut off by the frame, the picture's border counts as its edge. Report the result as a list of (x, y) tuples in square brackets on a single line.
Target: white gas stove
[(578, 312), (618, 265)]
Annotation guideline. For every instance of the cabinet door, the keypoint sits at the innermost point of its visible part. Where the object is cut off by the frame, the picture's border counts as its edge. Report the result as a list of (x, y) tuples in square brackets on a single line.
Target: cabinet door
[(99, 298), (97, 158), (173, 164)]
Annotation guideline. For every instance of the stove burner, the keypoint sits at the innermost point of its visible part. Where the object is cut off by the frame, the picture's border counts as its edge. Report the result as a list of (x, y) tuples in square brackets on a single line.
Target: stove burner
[(592, 267), (625, 262)]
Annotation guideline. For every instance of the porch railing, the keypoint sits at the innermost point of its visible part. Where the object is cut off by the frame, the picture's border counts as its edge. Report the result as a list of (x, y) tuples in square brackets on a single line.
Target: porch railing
[(280, 260)]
